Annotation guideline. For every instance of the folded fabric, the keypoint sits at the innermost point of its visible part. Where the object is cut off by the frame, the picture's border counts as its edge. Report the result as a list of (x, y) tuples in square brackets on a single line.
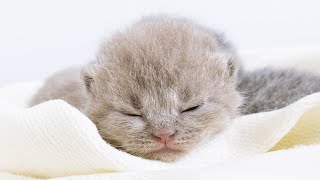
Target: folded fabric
[(55, 140)]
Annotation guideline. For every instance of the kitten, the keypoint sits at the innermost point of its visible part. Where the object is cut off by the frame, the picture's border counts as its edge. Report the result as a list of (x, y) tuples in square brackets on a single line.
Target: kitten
[(166, 85), (155, 90), (270, 89)]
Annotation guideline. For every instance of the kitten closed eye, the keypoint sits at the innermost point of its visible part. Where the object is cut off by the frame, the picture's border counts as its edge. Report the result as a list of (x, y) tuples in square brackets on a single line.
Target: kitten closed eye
[(131, 114), (191, 109)]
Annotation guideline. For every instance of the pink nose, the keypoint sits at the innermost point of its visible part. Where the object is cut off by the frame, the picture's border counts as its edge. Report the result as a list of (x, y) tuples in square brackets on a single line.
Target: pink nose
[(164, 135)]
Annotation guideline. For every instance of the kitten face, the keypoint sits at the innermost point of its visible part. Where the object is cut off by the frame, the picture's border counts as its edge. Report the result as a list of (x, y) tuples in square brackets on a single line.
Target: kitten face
[(162, 75)]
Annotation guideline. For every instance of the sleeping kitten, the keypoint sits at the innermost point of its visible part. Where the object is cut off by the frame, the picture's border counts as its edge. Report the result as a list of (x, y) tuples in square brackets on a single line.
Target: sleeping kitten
[(155, 90), (270, 89), (164, 86)]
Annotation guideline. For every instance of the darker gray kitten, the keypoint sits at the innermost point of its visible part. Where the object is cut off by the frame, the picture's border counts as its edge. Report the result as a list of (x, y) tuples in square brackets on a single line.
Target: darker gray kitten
[(270, 89)]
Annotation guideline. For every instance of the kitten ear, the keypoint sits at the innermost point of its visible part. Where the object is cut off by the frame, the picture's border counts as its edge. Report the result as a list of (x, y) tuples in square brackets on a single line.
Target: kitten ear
[(233, 66), (87, 79)]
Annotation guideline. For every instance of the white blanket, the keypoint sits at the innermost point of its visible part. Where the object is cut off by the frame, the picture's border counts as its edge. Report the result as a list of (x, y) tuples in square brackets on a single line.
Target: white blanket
[(54, 140)]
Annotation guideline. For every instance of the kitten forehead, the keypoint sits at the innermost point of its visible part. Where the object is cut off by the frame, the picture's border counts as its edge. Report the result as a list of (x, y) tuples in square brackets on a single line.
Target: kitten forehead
[(167, 98), (162, 38)]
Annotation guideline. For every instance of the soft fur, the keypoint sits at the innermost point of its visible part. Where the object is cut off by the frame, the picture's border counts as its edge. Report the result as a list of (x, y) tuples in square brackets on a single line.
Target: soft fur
[(146, 77)]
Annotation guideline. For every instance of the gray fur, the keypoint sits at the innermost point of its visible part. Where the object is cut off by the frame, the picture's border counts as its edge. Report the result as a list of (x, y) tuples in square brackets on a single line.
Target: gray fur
[(65, 85), (270, 89)]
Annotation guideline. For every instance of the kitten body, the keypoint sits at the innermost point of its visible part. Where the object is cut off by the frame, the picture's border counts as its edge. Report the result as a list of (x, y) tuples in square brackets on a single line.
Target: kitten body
[(270, 89)]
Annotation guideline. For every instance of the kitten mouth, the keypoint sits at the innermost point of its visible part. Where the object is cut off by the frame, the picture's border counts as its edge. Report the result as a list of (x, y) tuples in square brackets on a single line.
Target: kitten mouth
[(166, 154), (166, 150)]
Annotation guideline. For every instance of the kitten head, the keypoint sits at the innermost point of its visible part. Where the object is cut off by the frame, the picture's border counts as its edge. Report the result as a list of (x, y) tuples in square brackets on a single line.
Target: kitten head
[(161, 87)]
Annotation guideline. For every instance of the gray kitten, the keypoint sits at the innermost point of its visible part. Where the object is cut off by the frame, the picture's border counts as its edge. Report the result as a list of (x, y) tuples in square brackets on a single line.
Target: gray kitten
[(270, 89), (165, 85)]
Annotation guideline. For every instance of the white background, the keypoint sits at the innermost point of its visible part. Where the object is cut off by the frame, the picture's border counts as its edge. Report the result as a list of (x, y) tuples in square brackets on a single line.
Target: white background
[(39, 37)]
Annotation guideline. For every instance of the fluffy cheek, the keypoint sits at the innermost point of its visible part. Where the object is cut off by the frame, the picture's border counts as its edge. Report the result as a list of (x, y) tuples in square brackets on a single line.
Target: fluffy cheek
[(202, 126), (119, 130)]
